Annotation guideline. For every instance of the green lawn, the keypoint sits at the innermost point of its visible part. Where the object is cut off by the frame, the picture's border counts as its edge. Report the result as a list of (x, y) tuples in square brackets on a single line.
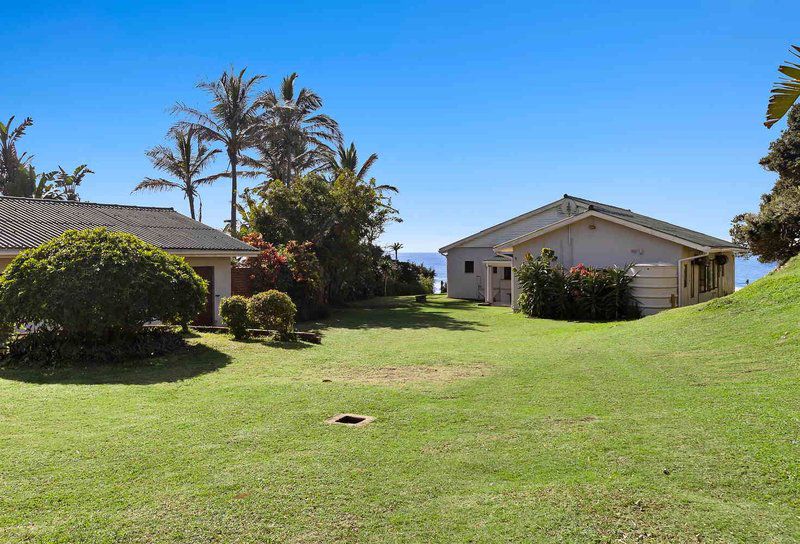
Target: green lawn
[(490, 427)]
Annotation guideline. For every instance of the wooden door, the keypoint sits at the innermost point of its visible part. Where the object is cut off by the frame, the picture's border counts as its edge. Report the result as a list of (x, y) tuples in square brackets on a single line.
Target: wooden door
[(206, 317)]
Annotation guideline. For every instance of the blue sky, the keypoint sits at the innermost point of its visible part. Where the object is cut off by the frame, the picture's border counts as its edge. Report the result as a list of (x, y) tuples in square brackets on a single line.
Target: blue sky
[(478, 111)]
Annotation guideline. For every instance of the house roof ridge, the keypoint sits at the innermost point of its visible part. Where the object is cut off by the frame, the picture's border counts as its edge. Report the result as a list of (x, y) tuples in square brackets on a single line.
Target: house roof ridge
[(84, 203)]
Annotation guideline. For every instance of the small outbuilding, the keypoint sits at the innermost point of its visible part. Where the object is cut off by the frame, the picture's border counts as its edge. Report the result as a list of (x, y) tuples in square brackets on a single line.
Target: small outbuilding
[(27, 223), (674, 266)]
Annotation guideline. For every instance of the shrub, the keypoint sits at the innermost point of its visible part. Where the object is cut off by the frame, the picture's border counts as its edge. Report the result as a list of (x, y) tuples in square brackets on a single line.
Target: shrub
[(583, 293), (273, 310), (54, 348), (233, 311), (406, 278), (97, 284)]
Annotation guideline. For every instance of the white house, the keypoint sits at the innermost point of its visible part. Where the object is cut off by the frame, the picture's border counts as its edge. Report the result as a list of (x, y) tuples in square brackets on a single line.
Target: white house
[(675, 266), (27, 223)]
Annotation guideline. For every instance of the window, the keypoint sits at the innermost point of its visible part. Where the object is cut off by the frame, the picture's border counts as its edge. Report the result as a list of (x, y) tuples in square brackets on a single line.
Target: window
[(494, 270), (469, 267), (507, 273), (709, 274)]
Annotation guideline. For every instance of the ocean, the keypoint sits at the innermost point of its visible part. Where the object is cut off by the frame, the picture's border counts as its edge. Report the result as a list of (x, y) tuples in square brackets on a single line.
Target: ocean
[(747, 270)]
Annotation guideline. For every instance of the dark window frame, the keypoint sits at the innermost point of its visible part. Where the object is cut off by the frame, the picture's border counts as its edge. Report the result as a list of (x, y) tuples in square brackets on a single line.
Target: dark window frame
[(507, 273), (469, 267)]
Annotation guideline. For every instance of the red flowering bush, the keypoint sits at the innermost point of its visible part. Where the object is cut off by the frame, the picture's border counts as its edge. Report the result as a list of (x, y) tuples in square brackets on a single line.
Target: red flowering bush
[(293, 269)]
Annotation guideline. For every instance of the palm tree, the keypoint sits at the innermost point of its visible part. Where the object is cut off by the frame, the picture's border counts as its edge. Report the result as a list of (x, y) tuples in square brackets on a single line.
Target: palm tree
[(67, 183), (293, 136), (232, 121), (10, 161), (785, 92), (397, 246), (184, 163), (346, 158)]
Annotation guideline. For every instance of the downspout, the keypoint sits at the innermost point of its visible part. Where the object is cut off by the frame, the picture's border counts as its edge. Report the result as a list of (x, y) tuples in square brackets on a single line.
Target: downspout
[(680, 272)]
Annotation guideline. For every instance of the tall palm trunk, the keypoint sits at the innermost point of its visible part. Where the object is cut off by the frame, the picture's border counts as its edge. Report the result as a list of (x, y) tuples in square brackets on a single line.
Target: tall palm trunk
[(190, 197), (234, 193)]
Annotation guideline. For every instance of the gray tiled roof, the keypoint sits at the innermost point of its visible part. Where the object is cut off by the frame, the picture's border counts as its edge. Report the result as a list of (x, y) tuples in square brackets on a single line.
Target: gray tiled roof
[(28, 222), (655, 224)]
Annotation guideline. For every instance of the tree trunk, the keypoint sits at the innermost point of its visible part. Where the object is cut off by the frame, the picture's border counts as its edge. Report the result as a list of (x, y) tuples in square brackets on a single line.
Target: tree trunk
[(234, 194), (190, 196)]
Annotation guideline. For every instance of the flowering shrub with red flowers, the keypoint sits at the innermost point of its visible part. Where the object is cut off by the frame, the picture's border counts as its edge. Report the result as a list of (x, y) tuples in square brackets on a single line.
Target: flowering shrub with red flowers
[(583, 293), (292, 268)]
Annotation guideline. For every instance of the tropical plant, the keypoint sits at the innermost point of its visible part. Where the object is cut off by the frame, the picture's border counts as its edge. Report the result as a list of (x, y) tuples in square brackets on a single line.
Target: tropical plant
[(346, 158), (232, 121), (396, 247), (233, 311), (67, 183), (584, 293), (273, 310), (189, 158), (95, 283), (250, 206), (293, 137), (11, 162), (785, 92)]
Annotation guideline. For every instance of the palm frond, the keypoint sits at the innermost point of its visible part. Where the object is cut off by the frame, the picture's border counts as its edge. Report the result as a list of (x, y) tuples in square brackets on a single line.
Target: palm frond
[(785, 92), (156, 184)]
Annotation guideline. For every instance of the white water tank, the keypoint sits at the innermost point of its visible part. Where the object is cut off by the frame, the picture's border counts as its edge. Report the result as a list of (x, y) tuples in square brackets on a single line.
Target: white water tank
[(655, 286)]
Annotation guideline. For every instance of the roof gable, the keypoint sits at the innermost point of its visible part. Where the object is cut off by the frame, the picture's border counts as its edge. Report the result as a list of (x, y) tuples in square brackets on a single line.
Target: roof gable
[(684, 234), (517, 226), (570, 206), (591, 212), (28, 222)]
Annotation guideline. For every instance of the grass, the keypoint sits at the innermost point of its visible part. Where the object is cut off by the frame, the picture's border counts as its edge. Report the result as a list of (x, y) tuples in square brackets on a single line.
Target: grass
[(490, 427)]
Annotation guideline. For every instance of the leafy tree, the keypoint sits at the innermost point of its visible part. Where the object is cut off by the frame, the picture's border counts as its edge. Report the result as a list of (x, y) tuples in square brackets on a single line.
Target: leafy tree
[(22, 182), (342, 219), (294, 137), (785, 92), (232, 121), (773, 234), (185, 163), (396, 247)]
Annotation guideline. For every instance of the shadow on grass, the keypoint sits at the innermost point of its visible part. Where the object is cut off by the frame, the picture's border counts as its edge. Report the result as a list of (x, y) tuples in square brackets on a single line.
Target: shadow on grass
[(402, 313), (270, 343), (195, 361)]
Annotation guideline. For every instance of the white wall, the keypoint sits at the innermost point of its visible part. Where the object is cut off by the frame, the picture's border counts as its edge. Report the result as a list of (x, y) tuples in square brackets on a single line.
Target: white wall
[(498, 289), (222, 278), (608, 244), (461, 284)]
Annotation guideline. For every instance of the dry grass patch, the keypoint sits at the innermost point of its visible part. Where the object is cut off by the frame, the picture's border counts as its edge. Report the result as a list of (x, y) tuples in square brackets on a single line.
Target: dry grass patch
[(407, 375)]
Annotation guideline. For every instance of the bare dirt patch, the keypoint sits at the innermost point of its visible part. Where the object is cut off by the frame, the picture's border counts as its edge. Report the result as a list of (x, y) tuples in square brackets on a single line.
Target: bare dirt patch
[(410, 374)]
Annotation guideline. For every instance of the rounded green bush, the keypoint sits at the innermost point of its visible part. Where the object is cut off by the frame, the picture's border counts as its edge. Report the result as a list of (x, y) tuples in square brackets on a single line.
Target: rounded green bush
[(233, 311), (273, 310), (99, 283)]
